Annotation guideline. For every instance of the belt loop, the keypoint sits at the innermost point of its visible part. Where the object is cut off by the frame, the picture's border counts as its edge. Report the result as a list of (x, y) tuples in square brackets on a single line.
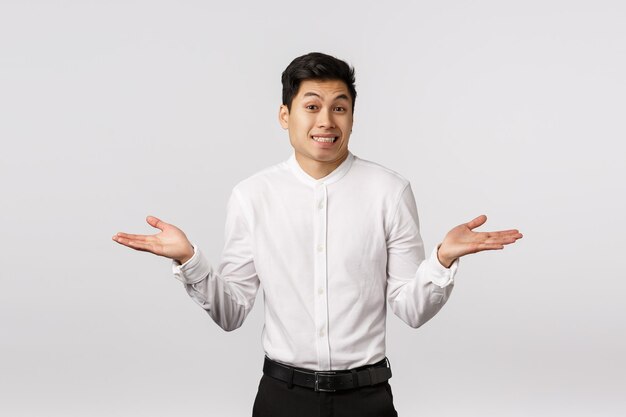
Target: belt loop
[(355, 378), (290, 382), (372, 376)]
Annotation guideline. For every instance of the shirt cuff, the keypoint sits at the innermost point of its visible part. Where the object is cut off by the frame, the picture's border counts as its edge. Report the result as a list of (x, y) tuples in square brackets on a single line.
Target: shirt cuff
[(440, 275), (192, 271)]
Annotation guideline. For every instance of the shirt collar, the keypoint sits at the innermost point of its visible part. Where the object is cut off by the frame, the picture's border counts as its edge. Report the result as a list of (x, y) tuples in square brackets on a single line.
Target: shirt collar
[(334, 176)]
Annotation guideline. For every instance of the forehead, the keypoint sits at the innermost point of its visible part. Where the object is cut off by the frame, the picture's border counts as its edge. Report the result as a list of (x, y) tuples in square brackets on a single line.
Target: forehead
[(325, 89)]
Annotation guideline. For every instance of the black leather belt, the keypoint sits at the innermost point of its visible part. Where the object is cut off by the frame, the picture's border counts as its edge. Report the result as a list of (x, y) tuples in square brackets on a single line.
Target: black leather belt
[(329, 381)]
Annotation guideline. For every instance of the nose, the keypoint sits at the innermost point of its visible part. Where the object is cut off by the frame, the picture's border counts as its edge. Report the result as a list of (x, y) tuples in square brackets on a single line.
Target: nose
[(325, 119)]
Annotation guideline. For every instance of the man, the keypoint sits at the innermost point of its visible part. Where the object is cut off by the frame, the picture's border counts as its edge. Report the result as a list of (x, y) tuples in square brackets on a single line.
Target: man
[(333, 237)]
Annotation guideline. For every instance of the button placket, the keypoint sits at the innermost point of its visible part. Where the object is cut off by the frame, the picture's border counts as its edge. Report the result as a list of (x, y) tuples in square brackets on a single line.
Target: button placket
[(320, 284)]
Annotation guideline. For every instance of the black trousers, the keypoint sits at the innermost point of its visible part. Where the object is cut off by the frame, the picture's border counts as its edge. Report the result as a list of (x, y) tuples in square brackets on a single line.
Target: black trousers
[(276, 399)]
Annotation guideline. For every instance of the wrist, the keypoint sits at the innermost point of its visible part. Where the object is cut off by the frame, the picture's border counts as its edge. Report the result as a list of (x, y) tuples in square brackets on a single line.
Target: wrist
[(187, 256), (444, 260)]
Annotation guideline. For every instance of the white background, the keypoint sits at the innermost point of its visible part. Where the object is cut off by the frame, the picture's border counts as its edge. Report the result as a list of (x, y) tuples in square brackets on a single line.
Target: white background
[(110, 111)]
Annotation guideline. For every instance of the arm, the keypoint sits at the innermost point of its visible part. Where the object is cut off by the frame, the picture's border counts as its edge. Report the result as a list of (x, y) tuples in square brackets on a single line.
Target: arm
[(417, 287), (417, 297), (228, 292)]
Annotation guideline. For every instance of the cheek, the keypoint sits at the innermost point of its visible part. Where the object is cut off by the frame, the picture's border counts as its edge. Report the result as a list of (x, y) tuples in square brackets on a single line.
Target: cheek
[(298, 133), (346, 123), (303, 128)]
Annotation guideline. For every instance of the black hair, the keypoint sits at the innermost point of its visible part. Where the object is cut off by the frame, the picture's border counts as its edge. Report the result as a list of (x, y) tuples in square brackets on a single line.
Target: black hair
[(316, 66)]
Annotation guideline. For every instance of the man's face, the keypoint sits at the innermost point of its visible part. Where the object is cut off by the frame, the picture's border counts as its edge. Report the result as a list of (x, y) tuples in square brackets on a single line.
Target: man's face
[(320, 112)]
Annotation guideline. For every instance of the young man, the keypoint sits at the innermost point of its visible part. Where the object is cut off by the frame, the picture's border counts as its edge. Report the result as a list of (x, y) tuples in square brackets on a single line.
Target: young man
[(333, 238)]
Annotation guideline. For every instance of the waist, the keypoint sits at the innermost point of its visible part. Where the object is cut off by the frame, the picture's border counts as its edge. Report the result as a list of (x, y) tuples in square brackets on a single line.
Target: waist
[(330, 381)]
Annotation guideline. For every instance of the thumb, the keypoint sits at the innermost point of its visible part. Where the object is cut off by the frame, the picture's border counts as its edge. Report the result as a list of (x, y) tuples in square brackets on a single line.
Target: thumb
[(155, 222), (478, 221)]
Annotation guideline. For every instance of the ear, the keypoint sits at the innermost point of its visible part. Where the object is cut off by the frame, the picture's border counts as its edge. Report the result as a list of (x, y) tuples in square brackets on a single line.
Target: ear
[(283, 116)]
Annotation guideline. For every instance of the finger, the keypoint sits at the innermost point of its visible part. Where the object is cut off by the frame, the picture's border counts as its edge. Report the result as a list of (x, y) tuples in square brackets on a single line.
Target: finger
[(140, 238), (504, 232), (133, 244), (478, 221), (496, 236), (155, 222), (500, 240), (499, 235), (489, 246)]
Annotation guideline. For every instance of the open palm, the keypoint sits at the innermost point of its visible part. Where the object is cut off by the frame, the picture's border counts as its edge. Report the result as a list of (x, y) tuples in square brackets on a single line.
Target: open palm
[(171, 242), (462, 240)]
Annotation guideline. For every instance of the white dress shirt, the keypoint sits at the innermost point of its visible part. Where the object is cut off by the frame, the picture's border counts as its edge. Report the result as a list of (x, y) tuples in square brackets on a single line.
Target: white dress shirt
[(329, 252)]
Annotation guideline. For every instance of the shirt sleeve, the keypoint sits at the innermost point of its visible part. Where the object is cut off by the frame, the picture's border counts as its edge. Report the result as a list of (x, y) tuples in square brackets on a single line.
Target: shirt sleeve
[(417, 287), (228, 293)]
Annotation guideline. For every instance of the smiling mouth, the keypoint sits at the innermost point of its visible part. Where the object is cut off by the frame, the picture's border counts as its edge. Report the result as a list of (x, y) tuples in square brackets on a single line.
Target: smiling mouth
[(325, 139)]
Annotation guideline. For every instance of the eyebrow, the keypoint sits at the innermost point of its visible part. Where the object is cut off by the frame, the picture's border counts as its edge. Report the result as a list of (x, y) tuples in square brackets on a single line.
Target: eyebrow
[(340, 96)]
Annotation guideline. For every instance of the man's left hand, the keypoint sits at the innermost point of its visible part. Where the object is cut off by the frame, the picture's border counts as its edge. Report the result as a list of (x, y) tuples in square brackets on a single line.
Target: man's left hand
[(462, 240)]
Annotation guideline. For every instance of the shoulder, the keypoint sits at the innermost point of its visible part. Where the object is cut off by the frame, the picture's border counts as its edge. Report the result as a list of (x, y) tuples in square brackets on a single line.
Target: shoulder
[(379, 176), (260, 181)]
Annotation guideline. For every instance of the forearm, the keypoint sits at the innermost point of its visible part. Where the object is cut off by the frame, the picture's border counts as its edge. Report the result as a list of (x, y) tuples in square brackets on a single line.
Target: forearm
[(215, 296), (419, 299), (227, 301)]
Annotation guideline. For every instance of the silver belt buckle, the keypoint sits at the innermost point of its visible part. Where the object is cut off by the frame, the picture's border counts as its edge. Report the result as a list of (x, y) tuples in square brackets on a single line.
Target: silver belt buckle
[(317, 388)]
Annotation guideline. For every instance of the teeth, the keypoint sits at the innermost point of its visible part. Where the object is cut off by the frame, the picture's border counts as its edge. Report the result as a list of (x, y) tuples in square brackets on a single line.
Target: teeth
[(320, 139)]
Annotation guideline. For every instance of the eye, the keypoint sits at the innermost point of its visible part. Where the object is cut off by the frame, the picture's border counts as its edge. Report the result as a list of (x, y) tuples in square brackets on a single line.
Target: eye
[(311, 107), (340, 109)]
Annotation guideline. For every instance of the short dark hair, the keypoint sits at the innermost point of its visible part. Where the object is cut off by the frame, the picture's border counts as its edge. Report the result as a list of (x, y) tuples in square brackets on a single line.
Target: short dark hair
[(316, 66)]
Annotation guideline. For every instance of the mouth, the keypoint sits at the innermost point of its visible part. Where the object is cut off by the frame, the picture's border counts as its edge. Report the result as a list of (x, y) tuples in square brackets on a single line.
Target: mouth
[(325, 138)]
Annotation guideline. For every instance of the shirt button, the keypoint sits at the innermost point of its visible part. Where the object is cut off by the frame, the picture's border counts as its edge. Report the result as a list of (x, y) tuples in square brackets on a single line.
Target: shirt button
[(320, 248), (321, 205), (322, 333), (320, 291)]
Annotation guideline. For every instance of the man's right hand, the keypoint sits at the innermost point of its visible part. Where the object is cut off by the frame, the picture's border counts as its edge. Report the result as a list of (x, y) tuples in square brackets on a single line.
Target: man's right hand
[(171, 242)]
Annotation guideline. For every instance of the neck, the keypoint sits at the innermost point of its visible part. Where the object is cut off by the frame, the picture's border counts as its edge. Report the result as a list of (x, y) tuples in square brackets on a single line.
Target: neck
[(319, 169)]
